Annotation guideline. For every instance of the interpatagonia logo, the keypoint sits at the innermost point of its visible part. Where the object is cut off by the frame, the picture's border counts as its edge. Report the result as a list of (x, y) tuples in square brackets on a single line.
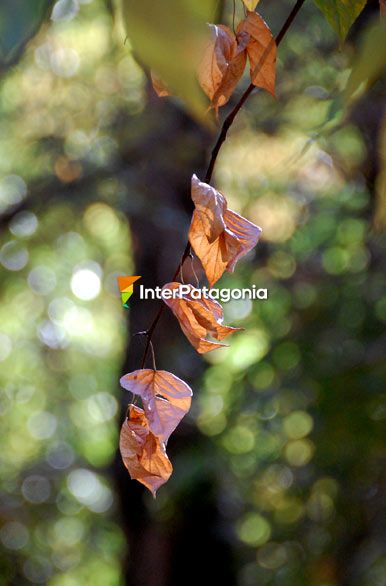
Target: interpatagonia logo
[(179, 292), (126, 287)]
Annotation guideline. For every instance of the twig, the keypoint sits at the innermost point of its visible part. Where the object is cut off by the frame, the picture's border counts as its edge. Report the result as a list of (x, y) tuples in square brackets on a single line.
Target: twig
[(149, 333), (153, 355), (216, 149), (232, 115)]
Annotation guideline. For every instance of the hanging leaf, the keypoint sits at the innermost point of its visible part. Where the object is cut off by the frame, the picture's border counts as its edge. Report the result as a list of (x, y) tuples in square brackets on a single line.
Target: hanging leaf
[(210, 206), (222, 65), (251, 4), (341, 14), (169, 37), (142, 452), (370, 62), (261, 49), (199, 318), (165, 397), (218, 236)]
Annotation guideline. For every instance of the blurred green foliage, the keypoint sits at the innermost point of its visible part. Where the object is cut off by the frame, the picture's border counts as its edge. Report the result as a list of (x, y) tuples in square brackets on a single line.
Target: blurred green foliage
[(291, 416), (62, 333)]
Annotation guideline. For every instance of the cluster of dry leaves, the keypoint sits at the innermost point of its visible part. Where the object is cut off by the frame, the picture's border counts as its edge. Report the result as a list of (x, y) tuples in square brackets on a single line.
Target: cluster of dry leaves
[(226, 55), (219, 237)]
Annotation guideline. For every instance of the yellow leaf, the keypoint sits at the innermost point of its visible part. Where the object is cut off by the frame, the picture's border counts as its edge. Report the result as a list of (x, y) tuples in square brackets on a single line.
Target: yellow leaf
[(251, 4)]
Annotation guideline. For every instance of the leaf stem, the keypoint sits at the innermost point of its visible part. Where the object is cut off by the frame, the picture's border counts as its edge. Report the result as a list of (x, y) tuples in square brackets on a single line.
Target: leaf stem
[(208, 176)]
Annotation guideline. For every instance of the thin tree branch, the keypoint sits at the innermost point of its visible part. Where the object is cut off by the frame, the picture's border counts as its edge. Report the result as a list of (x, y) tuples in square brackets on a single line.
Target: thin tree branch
[(216, 149), (232, 115), (149, 332)]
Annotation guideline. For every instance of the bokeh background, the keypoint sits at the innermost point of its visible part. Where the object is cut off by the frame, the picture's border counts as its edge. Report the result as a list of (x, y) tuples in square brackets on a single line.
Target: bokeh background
[(279, 469)]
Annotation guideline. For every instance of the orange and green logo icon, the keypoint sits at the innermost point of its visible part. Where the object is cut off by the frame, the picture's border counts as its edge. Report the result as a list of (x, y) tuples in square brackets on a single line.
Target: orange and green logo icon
[(126, 287)]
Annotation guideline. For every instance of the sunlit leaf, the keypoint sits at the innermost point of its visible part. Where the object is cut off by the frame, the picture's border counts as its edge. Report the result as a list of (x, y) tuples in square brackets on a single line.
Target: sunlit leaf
[(218, 236), (199, 318), (261, 49), (142, 452), (251, 4), (222, 65), (166, 398)]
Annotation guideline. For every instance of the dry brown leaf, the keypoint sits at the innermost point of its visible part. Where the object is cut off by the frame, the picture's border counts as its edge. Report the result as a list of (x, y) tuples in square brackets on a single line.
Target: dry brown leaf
[(222, 65), (261, 50), (210, 206), (142, 452), (159, 86), (218, 249), (251, 4), (199, 318), (165, 397), (382, 7)]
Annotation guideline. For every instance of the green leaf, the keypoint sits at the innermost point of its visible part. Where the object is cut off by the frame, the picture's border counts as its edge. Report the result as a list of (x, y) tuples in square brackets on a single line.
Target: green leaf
[(380, 211), (168, 36), (370, 62), (19, 21), (341, 14)]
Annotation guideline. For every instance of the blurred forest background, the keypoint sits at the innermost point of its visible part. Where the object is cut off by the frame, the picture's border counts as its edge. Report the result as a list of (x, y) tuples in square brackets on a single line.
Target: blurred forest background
[(279, 469)]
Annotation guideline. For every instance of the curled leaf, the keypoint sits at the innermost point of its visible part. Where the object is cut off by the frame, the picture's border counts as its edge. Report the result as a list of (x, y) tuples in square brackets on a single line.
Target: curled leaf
[(199, 317), (142, 452), (261, 49), (222, 65), (165, 397), (210, 206), (218, 236)]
